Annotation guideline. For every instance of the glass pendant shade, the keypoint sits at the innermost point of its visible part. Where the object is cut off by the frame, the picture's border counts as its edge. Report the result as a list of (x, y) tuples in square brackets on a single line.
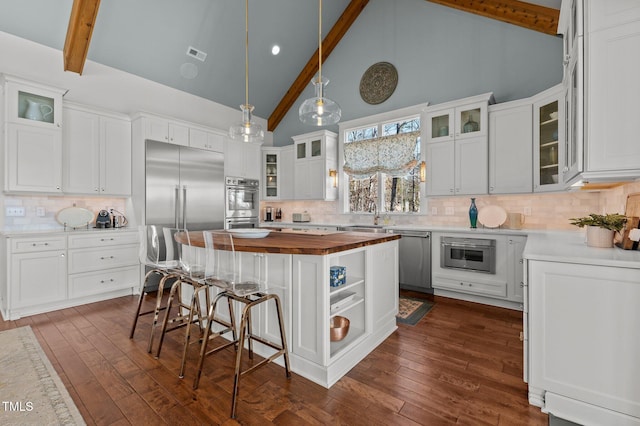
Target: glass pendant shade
[(319, 111), (247, 130)]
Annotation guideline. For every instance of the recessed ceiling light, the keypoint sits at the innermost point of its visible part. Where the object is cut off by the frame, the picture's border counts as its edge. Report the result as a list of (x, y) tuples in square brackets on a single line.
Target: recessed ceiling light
[(275, 49)]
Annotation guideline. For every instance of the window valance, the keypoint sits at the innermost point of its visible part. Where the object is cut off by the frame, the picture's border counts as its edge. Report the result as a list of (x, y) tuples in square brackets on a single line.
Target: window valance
[(394, 155)]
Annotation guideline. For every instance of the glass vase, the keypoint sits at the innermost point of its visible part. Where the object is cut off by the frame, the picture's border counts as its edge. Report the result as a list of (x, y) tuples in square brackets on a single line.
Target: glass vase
[(473, 213)]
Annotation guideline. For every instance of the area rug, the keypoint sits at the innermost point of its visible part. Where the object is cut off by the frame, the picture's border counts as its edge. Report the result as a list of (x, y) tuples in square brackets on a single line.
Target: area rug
[(31, 390), (411, 310)]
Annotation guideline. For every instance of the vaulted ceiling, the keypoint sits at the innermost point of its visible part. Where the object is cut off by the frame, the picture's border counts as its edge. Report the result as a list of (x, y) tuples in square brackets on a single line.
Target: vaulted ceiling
[(150, 38)]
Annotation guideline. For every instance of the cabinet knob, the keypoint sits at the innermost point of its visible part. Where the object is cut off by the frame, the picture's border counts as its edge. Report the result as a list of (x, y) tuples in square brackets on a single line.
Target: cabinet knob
[(58, 187), (521, 284), (96, 189)]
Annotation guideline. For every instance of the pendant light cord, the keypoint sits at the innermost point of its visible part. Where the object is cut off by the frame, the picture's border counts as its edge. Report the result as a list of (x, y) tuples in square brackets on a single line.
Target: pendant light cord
[(246, 52), (320, 41)]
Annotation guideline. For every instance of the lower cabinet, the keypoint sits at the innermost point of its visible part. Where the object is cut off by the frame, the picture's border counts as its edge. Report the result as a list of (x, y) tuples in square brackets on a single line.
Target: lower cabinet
[(54, 271), (504, 287), (583, 327)]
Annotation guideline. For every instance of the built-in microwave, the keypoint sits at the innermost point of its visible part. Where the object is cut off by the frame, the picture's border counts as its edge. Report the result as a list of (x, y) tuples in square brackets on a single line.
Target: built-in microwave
[(471, 254)]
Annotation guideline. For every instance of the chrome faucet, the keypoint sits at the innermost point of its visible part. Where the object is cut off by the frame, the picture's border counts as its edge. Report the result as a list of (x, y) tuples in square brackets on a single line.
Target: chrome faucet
[(376, 216)]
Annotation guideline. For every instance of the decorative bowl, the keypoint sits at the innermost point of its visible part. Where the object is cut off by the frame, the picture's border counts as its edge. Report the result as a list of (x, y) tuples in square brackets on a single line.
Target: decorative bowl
[(338, 328), (554, 115)]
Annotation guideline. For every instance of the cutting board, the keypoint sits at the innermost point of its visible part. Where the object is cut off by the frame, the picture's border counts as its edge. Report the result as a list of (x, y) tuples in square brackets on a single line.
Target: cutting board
[(632, 212), (633, 205)]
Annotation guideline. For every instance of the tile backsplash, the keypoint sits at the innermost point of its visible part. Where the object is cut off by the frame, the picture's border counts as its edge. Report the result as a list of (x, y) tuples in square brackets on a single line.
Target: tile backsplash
[(542, 211), (49, 206)]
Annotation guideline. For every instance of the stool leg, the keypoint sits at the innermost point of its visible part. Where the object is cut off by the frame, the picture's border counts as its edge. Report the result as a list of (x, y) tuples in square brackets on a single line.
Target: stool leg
[(236, 378), (195, 304), (156, 313), (141, 298), (176, 287), (205, 338), (283, 337)]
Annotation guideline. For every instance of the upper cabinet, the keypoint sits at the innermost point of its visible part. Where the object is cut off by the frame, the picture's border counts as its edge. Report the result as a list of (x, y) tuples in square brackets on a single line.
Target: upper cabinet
[(97, 152), (208, 140), (242, 159), (550, 149), (510, 147), (33, 142), (456, 139), (602, 62), (277, 173), (315, 154)]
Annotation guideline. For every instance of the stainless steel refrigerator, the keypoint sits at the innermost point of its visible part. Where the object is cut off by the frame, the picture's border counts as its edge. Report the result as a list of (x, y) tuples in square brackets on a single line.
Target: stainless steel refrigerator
[(184, 187)]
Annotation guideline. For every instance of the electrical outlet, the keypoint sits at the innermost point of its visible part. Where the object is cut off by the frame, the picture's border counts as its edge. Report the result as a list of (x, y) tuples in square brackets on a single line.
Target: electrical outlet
[(527, 211), (40, 211), (15, 211), (434, 211), (448, 211)]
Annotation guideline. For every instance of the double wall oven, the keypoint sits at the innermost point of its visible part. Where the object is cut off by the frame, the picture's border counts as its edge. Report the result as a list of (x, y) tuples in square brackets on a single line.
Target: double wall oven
[(242, 203)]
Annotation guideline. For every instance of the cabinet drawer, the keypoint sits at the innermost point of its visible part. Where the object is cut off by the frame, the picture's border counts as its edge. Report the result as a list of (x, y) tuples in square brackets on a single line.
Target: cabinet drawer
[(25, 245), (91, 283), (102, 258), (485, 288), (102, 240)]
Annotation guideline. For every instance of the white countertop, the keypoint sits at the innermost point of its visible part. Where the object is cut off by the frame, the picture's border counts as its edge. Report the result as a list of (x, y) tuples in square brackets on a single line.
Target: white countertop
[(57, 230), (570, 247)]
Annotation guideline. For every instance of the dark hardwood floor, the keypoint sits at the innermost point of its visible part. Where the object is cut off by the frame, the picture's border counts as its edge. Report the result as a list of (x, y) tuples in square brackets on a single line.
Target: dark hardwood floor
[(461, 364)]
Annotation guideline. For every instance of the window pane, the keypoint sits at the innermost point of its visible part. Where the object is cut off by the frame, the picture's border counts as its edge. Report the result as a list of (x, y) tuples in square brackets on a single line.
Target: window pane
[(362, 134), (363, 194), (404, 126), (402, 194)]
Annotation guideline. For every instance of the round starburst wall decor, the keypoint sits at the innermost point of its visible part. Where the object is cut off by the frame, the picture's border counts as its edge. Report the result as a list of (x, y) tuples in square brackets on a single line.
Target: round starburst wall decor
[(378, 83)]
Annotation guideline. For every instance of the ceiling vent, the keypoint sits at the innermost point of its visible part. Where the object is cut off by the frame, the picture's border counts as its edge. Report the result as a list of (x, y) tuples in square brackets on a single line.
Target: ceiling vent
[(198, 54)]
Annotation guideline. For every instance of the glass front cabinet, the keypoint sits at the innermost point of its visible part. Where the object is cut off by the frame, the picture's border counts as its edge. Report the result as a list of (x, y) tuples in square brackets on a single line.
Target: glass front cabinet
[(270, 174), (549, 139), (32, 104)]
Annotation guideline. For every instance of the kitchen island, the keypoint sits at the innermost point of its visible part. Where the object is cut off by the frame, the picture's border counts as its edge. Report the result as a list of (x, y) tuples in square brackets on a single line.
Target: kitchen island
[(296, 266)]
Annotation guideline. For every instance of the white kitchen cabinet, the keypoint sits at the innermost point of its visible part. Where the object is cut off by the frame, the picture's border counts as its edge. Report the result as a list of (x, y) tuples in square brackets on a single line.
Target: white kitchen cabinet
[(549, 152), (242, 159), (208, 140), (456, 134), (277, 173), (602, 51), (164, 130), (97, 152), (583, 327), (57, 270), (314, 155), (33, 161), (36, 275), (511, 147), (32, 104), (515, 267)]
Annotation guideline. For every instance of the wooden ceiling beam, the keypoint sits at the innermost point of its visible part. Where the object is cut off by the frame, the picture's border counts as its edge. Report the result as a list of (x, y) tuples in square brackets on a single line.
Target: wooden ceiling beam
[(527, 15), (81, 23), (342, 25)]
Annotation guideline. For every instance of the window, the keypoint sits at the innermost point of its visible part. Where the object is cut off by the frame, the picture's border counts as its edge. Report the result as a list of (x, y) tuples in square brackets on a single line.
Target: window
[(391, 191)]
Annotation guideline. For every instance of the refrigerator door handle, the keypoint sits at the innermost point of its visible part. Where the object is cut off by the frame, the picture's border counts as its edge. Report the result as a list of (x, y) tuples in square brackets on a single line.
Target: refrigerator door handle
[(184, 207), (176, 199)]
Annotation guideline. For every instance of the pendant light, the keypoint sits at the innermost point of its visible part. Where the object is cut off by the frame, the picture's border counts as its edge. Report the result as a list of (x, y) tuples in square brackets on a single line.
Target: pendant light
[(319, 111), (247, 130)]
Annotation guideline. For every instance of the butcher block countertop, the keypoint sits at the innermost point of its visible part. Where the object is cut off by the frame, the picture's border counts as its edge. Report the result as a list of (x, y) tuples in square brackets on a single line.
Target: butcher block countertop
[(302, 243)]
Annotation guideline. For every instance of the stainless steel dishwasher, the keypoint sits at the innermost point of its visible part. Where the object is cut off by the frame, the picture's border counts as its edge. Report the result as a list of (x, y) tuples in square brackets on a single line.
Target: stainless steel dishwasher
[(415, 260)]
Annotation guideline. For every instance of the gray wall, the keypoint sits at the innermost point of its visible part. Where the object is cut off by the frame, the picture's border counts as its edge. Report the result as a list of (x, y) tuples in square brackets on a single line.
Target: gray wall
[(440, 53)]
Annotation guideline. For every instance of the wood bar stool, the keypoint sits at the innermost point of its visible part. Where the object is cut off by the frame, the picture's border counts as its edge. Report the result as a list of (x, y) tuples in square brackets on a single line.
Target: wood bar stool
[(251, 293), (162, 259)]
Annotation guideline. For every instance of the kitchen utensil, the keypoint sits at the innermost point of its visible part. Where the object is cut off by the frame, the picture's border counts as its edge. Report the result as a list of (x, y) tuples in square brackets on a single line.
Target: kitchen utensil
[(338, 328), (515, 220), (103, 219), (249, 232), (37, 111), (492, 216), (74, 217)]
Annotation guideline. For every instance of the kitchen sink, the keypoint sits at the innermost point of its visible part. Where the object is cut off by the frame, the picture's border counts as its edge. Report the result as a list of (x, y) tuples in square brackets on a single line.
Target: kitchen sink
[(364, 228)]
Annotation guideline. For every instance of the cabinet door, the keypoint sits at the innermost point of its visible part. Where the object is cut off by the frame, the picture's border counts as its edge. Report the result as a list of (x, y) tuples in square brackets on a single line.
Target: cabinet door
[(156, 129), (242, 159), (32, 104), (515, 268), (277, 274), (614, 67), (206, 140), (301, 184), (34, 159), (575, 116), (471, 120), (115, 154), (439, 125), (251, 155), (270, 172), (549, 141), (317, 179), (81, 152), (511, 150), (471, 166), (178, 134), (38, 278), (440, 173), (286, 173)]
